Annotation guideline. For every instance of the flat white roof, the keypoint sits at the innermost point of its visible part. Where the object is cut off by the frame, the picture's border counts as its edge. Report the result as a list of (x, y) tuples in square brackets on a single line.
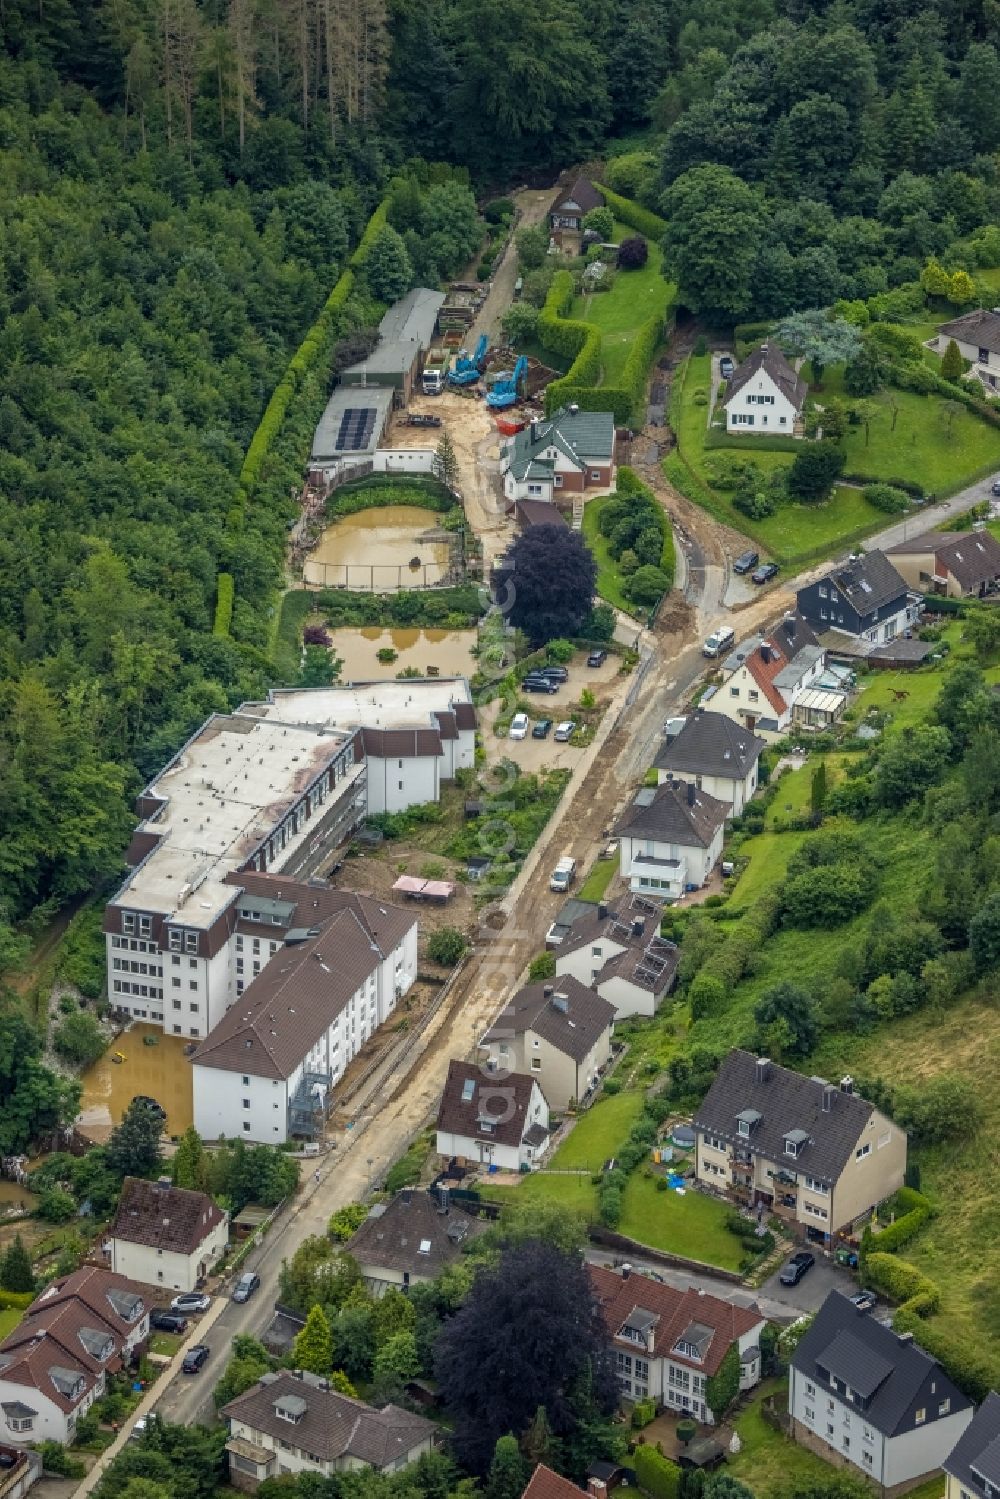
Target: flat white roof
[(226, 790), (826, 702), (403, 704)]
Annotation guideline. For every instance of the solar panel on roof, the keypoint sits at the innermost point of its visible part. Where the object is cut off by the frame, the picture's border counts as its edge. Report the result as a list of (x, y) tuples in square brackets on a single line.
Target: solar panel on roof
[(356, 427)]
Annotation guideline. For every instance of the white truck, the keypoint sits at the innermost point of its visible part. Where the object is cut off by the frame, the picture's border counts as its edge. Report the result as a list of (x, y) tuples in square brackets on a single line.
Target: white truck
[(562, 875), (434, 377)]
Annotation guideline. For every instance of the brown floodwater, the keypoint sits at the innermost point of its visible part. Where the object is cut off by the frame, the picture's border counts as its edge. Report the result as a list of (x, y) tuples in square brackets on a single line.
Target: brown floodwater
[(162, 1072), (372, 551), (448, 651), (12, 1196)]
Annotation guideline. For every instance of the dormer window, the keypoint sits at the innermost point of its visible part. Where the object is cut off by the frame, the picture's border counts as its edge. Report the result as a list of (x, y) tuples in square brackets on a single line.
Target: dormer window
[(744, 1125), (290, 1408), (746, 1122), (795, 1142)]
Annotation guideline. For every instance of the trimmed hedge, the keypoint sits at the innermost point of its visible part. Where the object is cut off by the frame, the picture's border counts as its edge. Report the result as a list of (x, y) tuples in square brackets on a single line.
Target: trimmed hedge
[(223, 604), (918, 1212), (572, 338), (634, 215), (15, 1300), (372, 229), (902, 1282), (863, 480), (749, 445), (655, 1473)]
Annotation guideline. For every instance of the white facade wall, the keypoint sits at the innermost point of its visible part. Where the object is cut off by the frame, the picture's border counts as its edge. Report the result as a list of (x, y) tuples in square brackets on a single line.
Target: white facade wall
[(490, 1152), (887, 1461), (761, 406), (255, 1108), (627, 998), (394, 784), (693, 865), (171, 1269), (586, 962), (403, 460), (52, 1423), (293, 1459)]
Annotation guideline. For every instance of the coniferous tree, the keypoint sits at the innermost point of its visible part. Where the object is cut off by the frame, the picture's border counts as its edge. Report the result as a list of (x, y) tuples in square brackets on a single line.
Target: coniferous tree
[(15, 1268)]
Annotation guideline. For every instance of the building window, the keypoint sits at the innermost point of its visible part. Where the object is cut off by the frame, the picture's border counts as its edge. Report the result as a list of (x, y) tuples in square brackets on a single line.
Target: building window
[(944, 1407), (920, 1416), (193, 984), (867, 1434), (21, 1423), (984, 356), (817, 1186), (246, 1126), (754, 695), (246, 1103), (190, 941), (810, 1389), (177, 1004), (536, 1064), (869, 1459), (246, 1081), (810, 1415), (128, 923), (193, 1009), (595, 475), (862, 1151), (176, 983), (177, 1030), (145, 926)]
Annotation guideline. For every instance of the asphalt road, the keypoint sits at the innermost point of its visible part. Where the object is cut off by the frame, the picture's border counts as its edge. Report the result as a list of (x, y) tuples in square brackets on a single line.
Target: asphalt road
[(932, 516)]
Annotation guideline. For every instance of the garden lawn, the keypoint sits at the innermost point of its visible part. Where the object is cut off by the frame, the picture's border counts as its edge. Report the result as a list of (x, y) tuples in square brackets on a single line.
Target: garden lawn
[(609, 579), (920, 449), (598, 1133), (906, 696), (767, 1459), (635, 297), (692, 1225), (768, 854), (794, 796), (570, 1190), (598, 880), (9, 1319)]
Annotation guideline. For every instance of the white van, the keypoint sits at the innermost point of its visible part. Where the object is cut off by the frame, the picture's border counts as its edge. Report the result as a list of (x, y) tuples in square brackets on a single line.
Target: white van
[(720, 641), (562, 875)]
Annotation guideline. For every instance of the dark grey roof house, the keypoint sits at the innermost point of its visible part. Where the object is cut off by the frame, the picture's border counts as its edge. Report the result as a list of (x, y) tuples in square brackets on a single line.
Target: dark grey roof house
[(327, 1431), (864, 596), (411, 1239), (718, 753), (862, 1395), (559, 1030), (973, 1465), (818, 1154), (574, 203), (675, 812), (769, 360), (979, 329)]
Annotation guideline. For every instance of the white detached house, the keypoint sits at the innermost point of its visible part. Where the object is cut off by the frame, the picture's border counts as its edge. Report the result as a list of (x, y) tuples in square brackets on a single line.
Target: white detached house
[(765, 395)]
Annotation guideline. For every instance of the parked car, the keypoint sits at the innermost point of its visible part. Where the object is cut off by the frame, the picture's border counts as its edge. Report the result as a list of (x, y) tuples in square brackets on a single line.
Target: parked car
[(246, 1285), (597, 658), (864, 1300), (416, 420), (167, 1321), (191, 1301), (764, 573), (540, 730), (797, 1266), (145, 1102), (716, 645), (195, 1358), (726, 367), (746, 562), (519, 726), (554, 673), (995, 487), (535, 682), (564, 731)]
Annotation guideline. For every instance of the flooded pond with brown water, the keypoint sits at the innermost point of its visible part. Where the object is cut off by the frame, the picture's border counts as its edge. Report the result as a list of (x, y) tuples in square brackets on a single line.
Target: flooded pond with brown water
[(443, 653), (373, 551)]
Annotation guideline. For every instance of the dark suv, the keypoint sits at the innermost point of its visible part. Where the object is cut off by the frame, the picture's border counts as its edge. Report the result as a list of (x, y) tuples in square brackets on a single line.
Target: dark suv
[(796, 1267), (535, 682), (746, 563), (167, 1321), (194, 1358), (246, 1285)]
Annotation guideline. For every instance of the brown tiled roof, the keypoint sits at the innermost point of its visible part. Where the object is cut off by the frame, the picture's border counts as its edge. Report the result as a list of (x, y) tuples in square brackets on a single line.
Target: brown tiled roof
[(65, 1331), (676, 812), (384, 923), (573, 1027), (582, 192), (331, 1425), (544, 1484), (769, 358), (289, 1006), (465, 715), (447, 726), (504, 1102), (764, 673), (401, 744), (980, 327), (972, 558), (395, 1234), (170, 1218), (676, 1311), (538, 513)]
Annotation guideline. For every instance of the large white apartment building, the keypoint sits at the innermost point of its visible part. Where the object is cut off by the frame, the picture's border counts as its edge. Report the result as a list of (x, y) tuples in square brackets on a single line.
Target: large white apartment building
[(273, 787)]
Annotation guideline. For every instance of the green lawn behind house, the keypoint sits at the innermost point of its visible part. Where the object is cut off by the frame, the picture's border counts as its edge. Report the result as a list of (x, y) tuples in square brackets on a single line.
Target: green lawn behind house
[(692, 1225), (569, 1190), (598, 880), (9, 1319), (609, 579), (635, 297), (598, 1133), (767, 1460)]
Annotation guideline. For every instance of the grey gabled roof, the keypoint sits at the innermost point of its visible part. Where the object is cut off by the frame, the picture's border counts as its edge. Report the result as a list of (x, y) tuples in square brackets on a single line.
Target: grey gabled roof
[(711, 744), (677, 812), (583, 193), (902, 1378), (973, 1457), (785, 1101), (564, 1012), (980, 327), (583, 436), (868, 582), (412, 1233), (413, 317), (769, 359)]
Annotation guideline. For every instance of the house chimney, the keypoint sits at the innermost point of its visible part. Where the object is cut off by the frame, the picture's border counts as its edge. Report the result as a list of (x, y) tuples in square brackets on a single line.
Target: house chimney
[(789, 623), (763, 1069), (765, 651), (597, 1488), (638, 926), (548, 990), (692, 793), (626, 1270), (406, 1196), (829, 1093), (847, 1084), (534, 430), (904, 1337), (444, 1197), (602, 911)]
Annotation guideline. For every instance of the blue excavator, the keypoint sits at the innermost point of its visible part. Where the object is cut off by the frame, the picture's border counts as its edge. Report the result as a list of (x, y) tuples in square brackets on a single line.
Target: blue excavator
[(508, 389), (468, 368)]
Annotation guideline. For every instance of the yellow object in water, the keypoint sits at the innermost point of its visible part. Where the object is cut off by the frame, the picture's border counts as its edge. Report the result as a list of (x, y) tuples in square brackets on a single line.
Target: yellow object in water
[(119, 1056)]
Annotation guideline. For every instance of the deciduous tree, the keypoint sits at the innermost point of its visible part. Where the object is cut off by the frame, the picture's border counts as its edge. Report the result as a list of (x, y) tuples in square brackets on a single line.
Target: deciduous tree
[(551, 583)]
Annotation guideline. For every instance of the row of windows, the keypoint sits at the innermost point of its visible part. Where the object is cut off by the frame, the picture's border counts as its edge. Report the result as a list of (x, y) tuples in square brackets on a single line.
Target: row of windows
[(133, 923), (814, 1211), (148, 991), (753, 694), (175, 961), (130, 965), (193, 1008), (175, 983), (760, 400), (132, 944), (179, 939), (746, 419)]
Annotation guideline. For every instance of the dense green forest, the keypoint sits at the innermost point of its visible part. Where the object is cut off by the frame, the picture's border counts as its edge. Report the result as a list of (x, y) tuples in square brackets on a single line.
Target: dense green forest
[(183, 181)]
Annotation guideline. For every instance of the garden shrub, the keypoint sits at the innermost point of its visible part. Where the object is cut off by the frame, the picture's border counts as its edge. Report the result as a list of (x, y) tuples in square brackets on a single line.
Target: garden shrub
[(634, 215), (612, 1085), (901, 1282), (446, 946), (15, 1300), (886, 497), (722, 1388), (656, 1474), (633, 253), (643, 1412), (498, 210)]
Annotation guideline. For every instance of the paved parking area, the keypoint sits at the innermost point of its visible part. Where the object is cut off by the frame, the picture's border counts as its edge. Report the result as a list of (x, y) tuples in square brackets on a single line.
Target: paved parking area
[(534, 754), (814, 1287)]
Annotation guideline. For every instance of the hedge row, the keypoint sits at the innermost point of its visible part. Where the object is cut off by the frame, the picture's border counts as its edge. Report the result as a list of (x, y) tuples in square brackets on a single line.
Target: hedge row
[(902, 1282), (716, 438), (223, 604), (722, 970), (918, 1211), (643, 220), (656, 1474), (574, 339), (15, 1300), (569, 337), (910, 486), (311, 350)]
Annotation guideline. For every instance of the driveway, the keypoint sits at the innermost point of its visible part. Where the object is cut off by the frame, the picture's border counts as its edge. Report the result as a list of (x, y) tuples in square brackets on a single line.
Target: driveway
[(774, 1308), (812, 1290), (932, 516), (532, 209)]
